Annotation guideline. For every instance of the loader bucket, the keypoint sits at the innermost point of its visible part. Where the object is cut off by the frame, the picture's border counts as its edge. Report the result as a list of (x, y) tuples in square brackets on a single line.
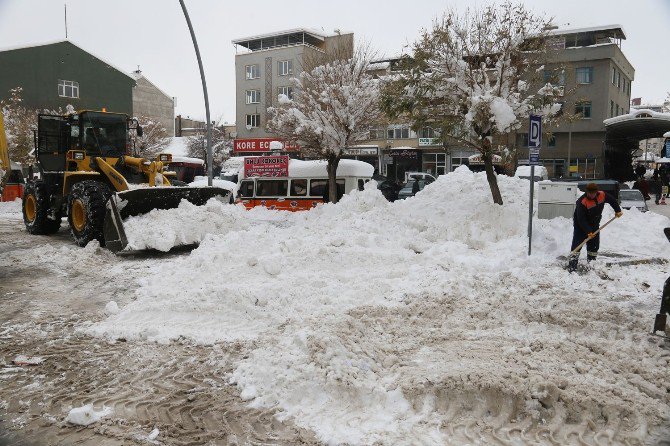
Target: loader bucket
[(136, 202)]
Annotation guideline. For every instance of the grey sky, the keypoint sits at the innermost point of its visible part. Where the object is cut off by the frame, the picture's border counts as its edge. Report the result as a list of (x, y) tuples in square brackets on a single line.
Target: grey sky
[(153, 34)]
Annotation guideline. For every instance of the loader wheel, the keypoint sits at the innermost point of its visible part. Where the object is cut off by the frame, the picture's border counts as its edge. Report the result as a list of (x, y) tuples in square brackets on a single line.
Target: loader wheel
[(36, 204), (86, 211)]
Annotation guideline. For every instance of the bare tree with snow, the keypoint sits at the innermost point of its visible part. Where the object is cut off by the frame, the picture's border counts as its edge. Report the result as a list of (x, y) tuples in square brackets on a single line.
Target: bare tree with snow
[(332, 107), (154, 138), (20, 123), (470, 78), (221, 146)]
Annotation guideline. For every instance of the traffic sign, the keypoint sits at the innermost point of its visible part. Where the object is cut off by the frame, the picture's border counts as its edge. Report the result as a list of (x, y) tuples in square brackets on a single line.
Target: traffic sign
[(535, 132), (533, 157)]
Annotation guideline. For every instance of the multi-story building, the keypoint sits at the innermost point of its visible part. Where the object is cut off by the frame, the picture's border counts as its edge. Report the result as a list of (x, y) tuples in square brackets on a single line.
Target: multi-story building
[(593, 68), (152, 102), (600, 77), (264, 66)]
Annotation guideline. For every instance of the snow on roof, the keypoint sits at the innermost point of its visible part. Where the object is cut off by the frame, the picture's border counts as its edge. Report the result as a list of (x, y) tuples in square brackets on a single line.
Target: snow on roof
[(54, 42), (642, 113), (317, 168), (321, 35), (186, 159), (618, 29), (178, 146)]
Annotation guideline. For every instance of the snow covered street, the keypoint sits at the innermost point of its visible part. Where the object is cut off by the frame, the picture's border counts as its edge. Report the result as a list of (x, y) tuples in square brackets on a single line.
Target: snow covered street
[(421, 321)]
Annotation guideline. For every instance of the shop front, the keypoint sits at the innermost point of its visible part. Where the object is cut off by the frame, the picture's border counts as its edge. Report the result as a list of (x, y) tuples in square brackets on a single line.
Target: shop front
[(369, 154), (263, 146), (400, 160)]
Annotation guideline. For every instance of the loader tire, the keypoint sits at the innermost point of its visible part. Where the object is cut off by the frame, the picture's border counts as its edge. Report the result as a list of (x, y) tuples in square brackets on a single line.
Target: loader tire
[(36, 205), (86, 211)]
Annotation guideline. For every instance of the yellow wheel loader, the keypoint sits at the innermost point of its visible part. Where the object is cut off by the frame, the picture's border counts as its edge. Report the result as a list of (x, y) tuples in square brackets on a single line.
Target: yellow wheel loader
[(87, 176)]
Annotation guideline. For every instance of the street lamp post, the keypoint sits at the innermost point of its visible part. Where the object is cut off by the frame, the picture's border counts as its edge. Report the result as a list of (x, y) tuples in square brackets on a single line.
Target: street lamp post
[(204, 90)]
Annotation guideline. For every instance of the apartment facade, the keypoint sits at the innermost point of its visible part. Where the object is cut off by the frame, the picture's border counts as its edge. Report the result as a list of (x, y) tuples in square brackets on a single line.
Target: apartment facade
[(594, 69), (264, 66), (600, 78)]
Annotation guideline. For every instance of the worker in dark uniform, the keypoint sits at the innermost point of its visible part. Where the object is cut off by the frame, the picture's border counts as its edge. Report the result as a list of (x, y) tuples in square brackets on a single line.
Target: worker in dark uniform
[(586, 221)]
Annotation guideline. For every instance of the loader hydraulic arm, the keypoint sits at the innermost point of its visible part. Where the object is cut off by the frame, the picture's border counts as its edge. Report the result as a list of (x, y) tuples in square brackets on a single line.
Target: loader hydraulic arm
[(153, 170)]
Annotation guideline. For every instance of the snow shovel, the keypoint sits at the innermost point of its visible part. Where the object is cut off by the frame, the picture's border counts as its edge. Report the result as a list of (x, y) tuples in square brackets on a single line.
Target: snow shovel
[(575, 252), (662, 316)]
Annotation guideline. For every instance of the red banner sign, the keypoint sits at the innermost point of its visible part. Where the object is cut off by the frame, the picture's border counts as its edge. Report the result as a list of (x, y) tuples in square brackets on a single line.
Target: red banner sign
[(266, 166), (262, 145)]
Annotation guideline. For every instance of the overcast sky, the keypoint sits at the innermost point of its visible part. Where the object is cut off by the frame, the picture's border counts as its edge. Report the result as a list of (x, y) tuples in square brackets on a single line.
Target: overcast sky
[(153, 34)]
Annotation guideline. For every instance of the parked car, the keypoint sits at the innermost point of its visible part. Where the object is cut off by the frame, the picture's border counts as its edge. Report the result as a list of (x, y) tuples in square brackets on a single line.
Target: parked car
[(413, 186), (632, 198), (419, 176)]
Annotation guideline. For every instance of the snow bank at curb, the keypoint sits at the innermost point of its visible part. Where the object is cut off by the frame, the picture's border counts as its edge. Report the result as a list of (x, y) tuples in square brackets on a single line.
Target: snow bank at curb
[(396, 322)]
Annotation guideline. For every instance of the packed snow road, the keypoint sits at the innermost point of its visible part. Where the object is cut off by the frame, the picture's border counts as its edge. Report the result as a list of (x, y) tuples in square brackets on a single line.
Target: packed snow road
[(367, 322)]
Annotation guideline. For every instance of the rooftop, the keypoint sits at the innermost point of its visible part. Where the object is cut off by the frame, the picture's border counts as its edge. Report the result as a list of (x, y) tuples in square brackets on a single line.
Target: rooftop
[(615, 31), (296, 36)]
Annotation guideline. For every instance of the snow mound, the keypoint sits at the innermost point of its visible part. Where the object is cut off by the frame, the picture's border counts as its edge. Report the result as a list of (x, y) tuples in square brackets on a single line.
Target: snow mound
[(85, 415), (163, 229), (421, 321)]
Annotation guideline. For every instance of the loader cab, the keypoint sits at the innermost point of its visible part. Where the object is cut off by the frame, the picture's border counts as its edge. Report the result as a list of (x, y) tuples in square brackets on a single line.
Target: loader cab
[(97, 133)]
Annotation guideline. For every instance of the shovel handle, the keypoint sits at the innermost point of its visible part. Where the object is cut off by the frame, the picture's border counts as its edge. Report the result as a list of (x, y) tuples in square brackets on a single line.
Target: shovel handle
[(579, 247)]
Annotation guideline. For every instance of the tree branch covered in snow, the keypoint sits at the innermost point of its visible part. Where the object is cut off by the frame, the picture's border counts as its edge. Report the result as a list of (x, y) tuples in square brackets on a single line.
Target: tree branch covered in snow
[(332, 108), (470, 78), (221, 146), (154, 138), (20, 122)]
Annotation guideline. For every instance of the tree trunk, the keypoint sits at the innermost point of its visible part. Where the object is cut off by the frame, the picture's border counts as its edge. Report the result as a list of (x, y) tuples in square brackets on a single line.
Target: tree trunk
[(333, 161), (492, 179)]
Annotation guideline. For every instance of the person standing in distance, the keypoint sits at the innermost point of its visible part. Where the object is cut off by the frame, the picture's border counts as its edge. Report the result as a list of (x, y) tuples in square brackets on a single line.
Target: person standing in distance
[(586, 221)]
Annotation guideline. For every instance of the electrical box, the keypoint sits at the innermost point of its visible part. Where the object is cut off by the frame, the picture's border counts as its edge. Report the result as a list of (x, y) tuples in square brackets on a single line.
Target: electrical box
[(556, 199)]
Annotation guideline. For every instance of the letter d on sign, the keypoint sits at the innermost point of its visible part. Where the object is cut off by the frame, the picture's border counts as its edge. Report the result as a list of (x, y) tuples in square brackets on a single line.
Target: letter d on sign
[(535, 132)]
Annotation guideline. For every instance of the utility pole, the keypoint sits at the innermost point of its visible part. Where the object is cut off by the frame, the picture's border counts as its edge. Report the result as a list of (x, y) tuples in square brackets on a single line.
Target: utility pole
[(569, 148), (65, 5), (204, 90)]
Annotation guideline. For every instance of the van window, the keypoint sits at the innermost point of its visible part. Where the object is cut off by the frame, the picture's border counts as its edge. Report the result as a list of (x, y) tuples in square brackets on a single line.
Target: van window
[(317, 188), (361, 184), (247, 189), (271, 188), (298, 188)]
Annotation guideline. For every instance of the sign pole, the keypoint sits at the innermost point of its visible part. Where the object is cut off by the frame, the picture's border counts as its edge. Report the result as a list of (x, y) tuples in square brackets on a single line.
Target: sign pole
[(534, 144)]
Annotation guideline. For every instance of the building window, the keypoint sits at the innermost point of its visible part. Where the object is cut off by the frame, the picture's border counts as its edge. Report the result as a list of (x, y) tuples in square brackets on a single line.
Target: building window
[(584, 75), (554, 77), (398, 132), (611, 109), (253, 71), (285, 67), (522, 139), (434, 163), (68, 89), (584, 109), (253, 120), (618, 79), (376, 132), (551, 143), (286, 91), (253, 96), (428, 132), (613, 76)]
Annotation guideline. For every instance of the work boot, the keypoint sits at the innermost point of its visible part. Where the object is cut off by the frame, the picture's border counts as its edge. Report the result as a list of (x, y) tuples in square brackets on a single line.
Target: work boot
[(590, 258), (572, 264)]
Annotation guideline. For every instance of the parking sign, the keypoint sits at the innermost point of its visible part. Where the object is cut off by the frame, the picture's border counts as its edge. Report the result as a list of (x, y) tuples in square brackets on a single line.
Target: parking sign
[(535, 132)]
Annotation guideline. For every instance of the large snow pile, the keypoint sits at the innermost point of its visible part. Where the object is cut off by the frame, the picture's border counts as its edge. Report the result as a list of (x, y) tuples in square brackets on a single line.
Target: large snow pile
[(422, 321)]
